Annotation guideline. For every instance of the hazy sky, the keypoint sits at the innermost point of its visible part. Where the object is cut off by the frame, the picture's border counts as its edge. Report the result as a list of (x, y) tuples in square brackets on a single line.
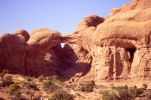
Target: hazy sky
[(60, 15)]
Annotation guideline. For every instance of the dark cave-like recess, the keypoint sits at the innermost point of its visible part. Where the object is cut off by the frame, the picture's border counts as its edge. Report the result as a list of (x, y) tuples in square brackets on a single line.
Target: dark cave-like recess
[(131, 51)]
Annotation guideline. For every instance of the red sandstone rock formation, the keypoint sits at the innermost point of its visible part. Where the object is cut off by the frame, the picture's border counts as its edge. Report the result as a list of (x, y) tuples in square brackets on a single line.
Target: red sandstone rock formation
[(12, 51), (38, 45), (115, 47), (119, 45), (21, 54)]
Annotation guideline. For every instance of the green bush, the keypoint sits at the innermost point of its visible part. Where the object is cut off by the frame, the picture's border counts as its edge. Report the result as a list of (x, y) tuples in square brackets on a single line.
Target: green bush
[(50, 86), (14, 90), (6, 81), (54, 80), (122, 93), (133, 91), (61, 95), (30, 85), (126, 93), (113, 96), (107, 96), (121, 87), (140, 91), (87, 86), (51, 83), (4, 72)]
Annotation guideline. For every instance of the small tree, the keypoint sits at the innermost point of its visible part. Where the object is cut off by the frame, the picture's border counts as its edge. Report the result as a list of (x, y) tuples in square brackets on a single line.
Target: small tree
[(51, 84), (105, 95), (15, 90), (6, 81), (61, 95), (87, 86), (124, 94), (30, 85)]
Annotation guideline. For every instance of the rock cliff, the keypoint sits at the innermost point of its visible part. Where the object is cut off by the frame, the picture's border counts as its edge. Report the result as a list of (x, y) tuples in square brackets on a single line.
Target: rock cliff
[(119, 45), (115, 47)]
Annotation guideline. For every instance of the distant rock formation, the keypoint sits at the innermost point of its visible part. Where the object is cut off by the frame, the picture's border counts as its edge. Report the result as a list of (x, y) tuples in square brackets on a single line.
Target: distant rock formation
[(21, 54), (115, 47)]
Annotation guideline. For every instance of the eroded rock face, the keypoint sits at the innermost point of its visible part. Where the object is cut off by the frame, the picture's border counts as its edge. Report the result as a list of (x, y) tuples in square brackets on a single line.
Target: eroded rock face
[(115, 47), (21, 53), (119, 45), (40, 42), (12, 51)]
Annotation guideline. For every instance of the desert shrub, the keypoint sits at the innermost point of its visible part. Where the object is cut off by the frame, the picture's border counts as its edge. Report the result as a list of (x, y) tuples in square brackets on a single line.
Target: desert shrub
[(41, 78), (121, 87), (133, 91), (6, 81), (48, 85), (30, 85), (113, 96), (145, 86), (108, 96), (61, 95), (4, 72), (124, 94), (54, 80), (87, 86), (105, 94), (14, 90), (51, 83), (140, 91)]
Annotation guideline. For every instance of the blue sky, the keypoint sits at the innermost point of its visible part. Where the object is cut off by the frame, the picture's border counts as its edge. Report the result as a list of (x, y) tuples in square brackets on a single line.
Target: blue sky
[(60, 15)]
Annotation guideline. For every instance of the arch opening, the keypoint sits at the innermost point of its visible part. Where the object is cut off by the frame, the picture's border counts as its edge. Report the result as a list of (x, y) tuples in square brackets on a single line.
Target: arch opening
[(131, 51)]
